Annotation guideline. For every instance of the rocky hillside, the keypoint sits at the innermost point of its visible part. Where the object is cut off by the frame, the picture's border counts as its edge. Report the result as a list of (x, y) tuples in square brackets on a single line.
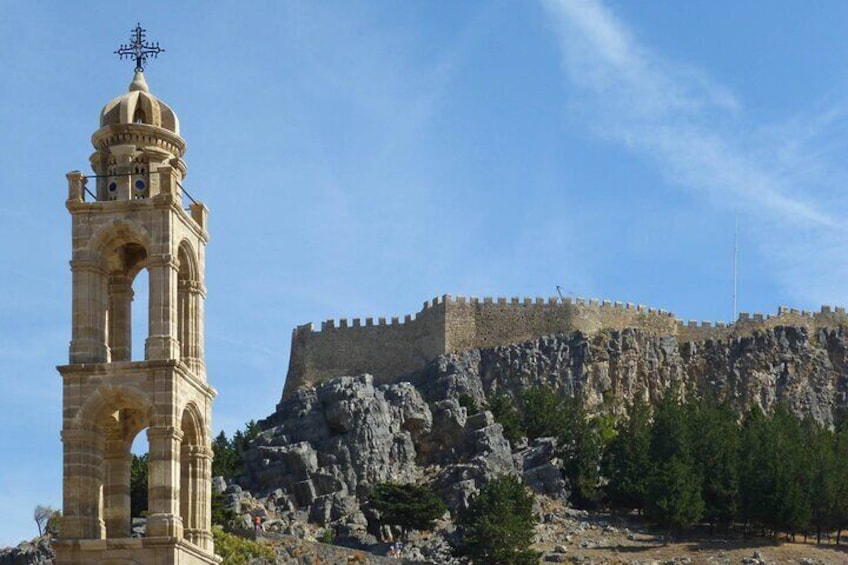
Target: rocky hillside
[(325, 448), (810, 372)]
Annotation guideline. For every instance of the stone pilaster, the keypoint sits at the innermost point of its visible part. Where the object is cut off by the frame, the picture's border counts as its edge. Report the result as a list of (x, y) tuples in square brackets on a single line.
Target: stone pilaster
[(164, 482), (162, 342), (88, 316), (82, 481)]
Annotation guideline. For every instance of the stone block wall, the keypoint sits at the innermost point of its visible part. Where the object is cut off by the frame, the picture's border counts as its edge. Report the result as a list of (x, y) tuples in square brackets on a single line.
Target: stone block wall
[(391, 349), (386, 348)]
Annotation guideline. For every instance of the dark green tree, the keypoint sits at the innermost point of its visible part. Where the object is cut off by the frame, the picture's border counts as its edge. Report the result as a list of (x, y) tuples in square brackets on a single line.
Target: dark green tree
[(792, 508), (675, 500), (228, 453), (820, 444), (840, 501), (497, 528), (467, 401), (505, 413), (408, 506), (138, 485), (757, 475), (221, 515), (226, 461), (542, 412), (716, 439), (627, 459), (580, 445)]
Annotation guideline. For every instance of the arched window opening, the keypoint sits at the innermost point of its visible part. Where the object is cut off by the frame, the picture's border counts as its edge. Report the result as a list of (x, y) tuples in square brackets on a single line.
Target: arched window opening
[(194, 475), (140, 314), (139, 116), (139, 480), (123, 264), (188, 305), (117, 469)]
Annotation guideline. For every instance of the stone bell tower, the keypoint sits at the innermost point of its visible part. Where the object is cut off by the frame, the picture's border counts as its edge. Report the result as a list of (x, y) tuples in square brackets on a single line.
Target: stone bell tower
[(132, 218)]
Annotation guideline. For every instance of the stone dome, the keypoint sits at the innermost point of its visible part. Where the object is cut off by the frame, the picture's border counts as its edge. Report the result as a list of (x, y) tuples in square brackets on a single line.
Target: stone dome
[(138, 106)]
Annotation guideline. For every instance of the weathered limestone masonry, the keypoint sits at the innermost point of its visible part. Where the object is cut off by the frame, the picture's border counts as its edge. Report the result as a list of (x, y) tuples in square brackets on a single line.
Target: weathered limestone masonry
[(135, 220), (447, 324)]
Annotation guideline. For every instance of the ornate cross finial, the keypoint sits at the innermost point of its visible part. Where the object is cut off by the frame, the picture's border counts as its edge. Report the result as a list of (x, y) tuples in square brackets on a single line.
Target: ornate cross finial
[(139, 49)]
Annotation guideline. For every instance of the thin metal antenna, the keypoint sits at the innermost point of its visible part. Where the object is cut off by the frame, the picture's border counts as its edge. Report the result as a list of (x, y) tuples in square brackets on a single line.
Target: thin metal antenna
[(735, 264)]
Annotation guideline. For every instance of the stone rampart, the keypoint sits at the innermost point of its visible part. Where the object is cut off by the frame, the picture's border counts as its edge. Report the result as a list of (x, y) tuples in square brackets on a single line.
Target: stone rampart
[(389, 349), (386, 348)]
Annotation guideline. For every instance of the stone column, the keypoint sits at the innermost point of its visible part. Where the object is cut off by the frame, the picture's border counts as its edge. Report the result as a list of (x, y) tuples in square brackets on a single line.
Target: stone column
[(163, 470), (82, 480), (196, 507), (120, 318), (199, 330), (116, 492), (162, 340), (88, 333), (191, 322)]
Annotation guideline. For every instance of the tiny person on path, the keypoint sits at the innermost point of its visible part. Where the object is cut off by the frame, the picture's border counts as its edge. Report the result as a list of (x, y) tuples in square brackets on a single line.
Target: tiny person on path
[(257, 524)]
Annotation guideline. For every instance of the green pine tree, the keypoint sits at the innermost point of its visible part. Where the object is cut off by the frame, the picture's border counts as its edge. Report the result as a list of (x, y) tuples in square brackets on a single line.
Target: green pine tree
[(505, 413), (498, 526), (675, 500), (408, 506), (627, 459), (716, 439), (581, 448)]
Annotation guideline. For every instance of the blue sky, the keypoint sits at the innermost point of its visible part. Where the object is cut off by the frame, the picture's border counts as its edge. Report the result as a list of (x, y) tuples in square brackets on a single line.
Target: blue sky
[(360, 158)]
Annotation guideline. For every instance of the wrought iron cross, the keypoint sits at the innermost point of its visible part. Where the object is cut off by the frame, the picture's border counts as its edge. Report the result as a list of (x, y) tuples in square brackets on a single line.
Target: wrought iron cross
[(139, 49)]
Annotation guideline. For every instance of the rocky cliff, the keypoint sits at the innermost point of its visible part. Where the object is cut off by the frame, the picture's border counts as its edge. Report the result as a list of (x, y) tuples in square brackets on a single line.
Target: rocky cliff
[(325, 448)]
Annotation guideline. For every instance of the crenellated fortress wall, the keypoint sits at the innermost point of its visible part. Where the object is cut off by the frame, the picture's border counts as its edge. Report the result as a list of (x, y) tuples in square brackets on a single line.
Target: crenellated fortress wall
[(390, 348)]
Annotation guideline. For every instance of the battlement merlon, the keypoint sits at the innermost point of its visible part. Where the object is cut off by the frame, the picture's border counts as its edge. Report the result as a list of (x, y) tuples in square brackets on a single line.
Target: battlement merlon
[(392, 347)]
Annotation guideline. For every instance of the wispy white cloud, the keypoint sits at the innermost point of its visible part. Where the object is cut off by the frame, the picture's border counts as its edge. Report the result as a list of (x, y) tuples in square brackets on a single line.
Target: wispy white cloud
[(695, 131)]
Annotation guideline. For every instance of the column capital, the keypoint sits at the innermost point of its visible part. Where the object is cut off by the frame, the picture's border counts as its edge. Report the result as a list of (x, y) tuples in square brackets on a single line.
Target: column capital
[(163, 261), (87, 265), (164, 432)]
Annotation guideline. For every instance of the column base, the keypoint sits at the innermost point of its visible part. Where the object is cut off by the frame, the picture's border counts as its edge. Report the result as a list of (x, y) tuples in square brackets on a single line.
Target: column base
[(164, 525), (141, 551)]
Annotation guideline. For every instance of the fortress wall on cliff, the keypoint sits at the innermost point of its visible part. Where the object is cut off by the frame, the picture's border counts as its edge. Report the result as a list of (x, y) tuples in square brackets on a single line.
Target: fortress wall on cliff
[(747, 324), (386, 348), (476, 323), (394, 348)]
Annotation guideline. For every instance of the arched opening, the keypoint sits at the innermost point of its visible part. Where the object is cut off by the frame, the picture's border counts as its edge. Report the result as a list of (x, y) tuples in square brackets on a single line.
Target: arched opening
[(139, 117), (100, 470), (140, 315), (195, 472), (189, 305), (128, 296)]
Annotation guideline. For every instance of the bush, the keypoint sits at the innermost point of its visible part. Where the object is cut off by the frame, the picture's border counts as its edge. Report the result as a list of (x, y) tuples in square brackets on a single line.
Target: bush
[(467, 401), (506, 415), (410, 507), (239, 551), (497, 528)]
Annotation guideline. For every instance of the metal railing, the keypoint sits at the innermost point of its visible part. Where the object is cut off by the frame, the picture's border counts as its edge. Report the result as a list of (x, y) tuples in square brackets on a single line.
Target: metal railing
[(95, 198)]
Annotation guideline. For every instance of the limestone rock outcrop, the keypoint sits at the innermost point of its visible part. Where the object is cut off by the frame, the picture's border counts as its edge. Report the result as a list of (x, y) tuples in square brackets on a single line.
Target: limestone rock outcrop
[(783, 364), (326, 447), (36, 552)]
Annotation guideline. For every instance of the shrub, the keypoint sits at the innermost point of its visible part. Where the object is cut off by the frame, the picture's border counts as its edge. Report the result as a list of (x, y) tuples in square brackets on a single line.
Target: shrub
[(239, 551), (506, 415), (410, 507), (497, 528)]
